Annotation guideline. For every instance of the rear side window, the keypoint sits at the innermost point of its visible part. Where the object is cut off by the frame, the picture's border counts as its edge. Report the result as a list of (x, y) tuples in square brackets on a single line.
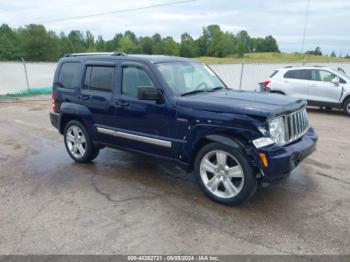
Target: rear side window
[(69, 74), (274, 73), (298, 74), (99, 78)]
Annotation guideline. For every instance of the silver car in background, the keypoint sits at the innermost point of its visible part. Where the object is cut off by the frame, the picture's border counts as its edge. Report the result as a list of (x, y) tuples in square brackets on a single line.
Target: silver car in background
[(320, 86)]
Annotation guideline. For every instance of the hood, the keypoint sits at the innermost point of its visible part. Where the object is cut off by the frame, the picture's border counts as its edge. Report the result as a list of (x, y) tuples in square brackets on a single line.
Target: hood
[(242, 102)]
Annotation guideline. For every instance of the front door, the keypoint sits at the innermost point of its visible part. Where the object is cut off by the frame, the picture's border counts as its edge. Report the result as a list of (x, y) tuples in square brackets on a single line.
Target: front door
[(322, 89), (146, 126)]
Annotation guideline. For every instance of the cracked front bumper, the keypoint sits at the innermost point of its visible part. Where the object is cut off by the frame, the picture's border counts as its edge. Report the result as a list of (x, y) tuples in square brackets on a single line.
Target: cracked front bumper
[(282, 160)]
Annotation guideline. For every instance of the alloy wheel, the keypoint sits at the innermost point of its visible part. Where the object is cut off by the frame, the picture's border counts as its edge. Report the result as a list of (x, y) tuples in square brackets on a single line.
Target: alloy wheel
[(76, 141), (221, 174)]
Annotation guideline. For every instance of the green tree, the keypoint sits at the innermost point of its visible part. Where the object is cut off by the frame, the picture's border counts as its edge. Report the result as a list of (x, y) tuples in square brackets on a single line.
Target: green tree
[(333, 54), (9, 43), (171, 47), (89, 42), (34, 42), (65, 45), (271, 44), (146, 44), (187, 46), (317, 51), (158, 44), (112, 45), (127, 45), (78, 42), (38, 44), (243, 43), (100, 44)]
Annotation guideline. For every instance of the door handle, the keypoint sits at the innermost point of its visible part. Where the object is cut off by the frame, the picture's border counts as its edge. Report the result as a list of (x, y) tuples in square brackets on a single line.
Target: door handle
[(121, 103), (84, 97)]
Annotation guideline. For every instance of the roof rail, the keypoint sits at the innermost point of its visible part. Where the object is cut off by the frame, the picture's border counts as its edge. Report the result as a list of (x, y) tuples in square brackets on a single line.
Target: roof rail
[(96, 53)]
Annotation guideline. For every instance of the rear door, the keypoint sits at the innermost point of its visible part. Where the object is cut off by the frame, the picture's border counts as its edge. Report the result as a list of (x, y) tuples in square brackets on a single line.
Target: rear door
[(99, 84), (321, 87), (297, 82)]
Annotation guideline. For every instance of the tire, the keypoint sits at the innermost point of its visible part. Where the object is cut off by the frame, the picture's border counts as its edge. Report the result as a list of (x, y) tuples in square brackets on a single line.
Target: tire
[(229, 182), (78, 142), (346, 107)]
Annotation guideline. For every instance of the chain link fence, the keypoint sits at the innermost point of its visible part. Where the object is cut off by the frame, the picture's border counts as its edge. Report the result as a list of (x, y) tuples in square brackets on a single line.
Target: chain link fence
[(22, 77), (36, 77), (248, 76)]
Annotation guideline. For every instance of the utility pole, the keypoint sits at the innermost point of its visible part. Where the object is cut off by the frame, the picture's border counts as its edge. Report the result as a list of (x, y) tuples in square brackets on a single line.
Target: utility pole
[(304, 31)]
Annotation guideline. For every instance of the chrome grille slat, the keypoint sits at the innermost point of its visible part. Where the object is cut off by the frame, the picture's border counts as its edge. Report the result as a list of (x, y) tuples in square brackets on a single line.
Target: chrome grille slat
[(296, 125)]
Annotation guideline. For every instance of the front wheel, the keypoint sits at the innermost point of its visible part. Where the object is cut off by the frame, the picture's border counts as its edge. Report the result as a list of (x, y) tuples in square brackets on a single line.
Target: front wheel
[(78, 142), (346, 107), (224, 174)]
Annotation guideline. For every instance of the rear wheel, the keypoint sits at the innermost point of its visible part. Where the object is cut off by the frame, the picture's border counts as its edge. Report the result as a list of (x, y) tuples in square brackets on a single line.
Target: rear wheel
[(346, 107), (224, 174), (78, 143)]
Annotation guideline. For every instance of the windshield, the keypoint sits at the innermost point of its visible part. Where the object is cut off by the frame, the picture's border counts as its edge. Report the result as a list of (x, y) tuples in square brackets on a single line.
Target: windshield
[(189, 77)]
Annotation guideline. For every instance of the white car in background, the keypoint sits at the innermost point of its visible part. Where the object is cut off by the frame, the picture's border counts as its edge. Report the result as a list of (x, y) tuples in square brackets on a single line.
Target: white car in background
[(320, 86)]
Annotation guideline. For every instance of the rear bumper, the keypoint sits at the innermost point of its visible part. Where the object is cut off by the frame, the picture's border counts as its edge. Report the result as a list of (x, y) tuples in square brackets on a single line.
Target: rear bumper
[(55, 120), (283, 160)]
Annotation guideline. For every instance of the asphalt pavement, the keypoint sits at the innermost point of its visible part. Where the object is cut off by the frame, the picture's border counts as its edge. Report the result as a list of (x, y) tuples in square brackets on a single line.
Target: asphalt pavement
[(124, 203)]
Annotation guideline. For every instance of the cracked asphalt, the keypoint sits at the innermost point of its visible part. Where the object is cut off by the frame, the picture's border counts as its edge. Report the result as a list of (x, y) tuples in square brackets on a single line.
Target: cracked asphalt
[(130, 204)]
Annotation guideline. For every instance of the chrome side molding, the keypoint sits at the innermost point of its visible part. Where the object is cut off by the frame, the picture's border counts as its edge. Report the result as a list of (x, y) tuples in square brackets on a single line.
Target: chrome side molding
[(144, 139)]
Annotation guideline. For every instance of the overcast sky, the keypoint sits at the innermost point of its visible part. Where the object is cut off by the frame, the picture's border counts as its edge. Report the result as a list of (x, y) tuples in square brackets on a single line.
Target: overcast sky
[(328, 22)]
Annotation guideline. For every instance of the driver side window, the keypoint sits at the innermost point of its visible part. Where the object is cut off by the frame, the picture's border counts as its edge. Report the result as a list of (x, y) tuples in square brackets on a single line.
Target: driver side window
[(132, 78), (326, 76)]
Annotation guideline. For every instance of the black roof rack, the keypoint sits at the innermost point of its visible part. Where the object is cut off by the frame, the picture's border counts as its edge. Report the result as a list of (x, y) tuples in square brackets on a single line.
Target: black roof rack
[(96, 53)]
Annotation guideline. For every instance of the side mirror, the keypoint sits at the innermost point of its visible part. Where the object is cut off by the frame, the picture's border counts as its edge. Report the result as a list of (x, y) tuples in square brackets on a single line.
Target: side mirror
[(336, 80), (149, 93)]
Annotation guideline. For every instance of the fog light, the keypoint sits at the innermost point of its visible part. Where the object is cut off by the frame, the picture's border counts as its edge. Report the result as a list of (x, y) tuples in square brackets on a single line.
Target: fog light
[(263, 159)]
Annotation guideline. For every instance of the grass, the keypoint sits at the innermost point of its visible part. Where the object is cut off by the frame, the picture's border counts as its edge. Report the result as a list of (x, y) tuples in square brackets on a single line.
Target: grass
[(270, 58), (26, 92)]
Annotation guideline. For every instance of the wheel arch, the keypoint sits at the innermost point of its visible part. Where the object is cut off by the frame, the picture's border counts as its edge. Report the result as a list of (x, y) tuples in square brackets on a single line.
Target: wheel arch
[(66, 118), (70, 111), (346, 98), (233, 140), (278, 92)]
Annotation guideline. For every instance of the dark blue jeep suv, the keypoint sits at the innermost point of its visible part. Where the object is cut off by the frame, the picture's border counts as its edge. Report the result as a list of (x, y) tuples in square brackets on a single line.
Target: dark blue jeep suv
[(179, 109)]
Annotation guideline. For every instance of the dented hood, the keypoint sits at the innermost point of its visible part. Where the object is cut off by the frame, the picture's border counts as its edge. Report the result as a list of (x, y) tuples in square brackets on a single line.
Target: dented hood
[(241, 102)]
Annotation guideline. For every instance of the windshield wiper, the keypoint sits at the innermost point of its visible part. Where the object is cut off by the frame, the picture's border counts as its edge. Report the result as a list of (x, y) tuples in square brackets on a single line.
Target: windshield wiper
[(216, 88), (194, 92)]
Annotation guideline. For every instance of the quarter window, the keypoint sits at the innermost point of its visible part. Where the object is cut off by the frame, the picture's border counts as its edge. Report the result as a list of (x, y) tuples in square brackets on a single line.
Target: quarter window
[(132, 78), (99, 78), (69, 75)]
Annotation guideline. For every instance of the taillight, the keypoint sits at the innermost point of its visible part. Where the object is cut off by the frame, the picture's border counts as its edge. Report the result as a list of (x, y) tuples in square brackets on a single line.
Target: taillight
[(54, 105), (266, 84)]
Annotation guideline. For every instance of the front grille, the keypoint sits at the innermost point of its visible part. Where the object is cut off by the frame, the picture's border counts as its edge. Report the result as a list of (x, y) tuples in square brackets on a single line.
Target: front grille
[(296, 125)]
